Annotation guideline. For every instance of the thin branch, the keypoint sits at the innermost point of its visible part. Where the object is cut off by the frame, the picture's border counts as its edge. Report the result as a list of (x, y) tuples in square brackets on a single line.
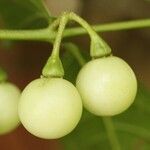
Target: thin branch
[(125, 25), (35, 35), (48, 35)]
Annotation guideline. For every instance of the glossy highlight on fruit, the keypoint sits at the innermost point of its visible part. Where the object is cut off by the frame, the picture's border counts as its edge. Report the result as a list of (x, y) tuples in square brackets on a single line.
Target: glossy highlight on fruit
[(107, 86), (50, 108), (9, 98)]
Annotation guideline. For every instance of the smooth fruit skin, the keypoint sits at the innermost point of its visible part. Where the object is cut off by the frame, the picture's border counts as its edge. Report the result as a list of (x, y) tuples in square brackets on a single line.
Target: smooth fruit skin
[(107, 86), (9, 98), (50, 108)]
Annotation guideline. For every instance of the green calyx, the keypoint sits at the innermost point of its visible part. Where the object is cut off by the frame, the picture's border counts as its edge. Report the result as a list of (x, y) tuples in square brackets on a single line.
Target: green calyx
[(53, 68), (99, 48), (3, 75)]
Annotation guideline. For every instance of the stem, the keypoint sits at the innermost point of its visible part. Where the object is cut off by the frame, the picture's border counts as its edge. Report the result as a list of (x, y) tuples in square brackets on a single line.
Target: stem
[(111, 133), (83, 23), (48, 34), (54, 24), (98, 47), (117, 26), (36, 35), (53, 67), (62, 25), (108, 123)]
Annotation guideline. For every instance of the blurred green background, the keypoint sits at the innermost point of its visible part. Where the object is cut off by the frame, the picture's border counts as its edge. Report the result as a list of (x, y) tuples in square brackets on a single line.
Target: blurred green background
[(24, 60)]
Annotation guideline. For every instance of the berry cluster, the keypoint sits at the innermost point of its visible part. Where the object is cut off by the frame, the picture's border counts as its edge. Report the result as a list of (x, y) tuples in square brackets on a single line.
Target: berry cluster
[(51, 107)]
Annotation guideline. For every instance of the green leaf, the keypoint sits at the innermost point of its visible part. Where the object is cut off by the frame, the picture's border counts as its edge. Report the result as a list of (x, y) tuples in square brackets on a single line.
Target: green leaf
[(23, 14), (132, 127), (71, 67)]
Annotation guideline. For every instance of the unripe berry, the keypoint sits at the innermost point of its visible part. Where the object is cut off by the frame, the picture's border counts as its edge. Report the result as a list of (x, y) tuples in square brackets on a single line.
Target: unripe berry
[(50, 108), (107, 86), (9, 98)]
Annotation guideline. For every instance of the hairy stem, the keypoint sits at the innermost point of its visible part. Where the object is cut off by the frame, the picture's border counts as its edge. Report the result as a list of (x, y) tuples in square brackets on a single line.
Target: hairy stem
[(98, 47), (49, 35), (62, 25), (36, 35), (117, 26)]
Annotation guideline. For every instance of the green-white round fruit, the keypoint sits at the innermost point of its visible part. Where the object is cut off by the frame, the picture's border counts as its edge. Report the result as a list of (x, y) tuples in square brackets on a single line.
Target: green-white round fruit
[(50, 108), (9, 98), (107, 86)]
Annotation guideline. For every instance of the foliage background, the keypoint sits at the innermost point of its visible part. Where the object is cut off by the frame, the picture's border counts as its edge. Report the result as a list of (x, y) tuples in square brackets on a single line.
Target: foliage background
[(24, 60)]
